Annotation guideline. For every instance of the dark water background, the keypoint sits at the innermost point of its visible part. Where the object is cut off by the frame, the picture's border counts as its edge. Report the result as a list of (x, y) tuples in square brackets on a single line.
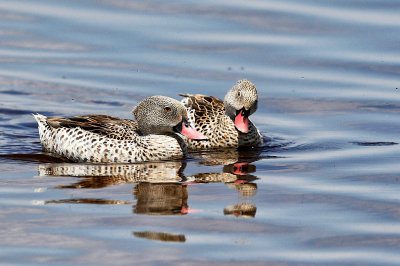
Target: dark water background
[(324, 190)]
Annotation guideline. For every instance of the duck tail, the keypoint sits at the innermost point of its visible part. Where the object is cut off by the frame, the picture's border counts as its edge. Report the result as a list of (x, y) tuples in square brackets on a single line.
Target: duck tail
[(42, 122), (40, 119)]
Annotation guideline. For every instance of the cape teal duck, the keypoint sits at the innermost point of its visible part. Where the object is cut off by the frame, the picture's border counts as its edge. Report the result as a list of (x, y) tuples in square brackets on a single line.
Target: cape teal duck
[(155, 135), (225, 123)]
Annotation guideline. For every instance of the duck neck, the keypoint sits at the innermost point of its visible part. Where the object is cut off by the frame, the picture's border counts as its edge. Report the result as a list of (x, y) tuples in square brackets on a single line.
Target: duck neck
[(180, 141)]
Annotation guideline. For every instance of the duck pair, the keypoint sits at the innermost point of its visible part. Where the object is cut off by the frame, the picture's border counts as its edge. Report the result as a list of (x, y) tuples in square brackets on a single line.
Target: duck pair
[(164, 129)]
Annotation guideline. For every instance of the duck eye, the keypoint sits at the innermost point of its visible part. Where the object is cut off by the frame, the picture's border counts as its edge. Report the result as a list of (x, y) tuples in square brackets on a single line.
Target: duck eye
[(239, 94), (167, 109)]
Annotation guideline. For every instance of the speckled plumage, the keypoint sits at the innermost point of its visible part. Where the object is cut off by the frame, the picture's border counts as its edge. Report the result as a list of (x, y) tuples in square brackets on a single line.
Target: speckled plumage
[(214, 118), (105, 139)]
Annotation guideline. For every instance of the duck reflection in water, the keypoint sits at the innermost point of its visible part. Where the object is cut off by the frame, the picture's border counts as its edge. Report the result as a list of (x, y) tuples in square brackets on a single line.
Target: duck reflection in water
[(161, 188), (161, 198), (104, 175)]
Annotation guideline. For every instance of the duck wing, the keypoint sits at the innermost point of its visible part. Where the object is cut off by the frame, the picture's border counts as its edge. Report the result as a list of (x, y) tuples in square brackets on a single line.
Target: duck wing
[(108, 126), (204, 108)]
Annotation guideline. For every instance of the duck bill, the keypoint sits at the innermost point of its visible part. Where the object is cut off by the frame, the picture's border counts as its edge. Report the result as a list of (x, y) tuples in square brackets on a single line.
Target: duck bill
[(242, 122), (192, 133)]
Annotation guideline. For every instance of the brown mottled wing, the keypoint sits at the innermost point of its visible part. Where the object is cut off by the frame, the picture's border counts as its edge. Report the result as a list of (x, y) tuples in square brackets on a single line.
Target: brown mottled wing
[(108, 126), (205, 111)]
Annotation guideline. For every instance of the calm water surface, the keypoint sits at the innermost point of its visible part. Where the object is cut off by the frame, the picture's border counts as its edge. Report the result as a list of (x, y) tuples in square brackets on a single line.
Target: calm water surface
[(324, 190)]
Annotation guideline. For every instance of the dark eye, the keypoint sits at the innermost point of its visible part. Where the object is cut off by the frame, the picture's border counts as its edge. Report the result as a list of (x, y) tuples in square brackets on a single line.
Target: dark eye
[(239, 94), (167, 109)]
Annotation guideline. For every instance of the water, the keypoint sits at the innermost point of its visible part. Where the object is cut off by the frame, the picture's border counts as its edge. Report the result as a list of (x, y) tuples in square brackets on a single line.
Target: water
[(324, 190)]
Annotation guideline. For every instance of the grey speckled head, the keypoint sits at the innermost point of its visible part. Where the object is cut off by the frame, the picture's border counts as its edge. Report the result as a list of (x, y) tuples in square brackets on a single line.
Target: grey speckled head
[(241, 97), (159, 115)]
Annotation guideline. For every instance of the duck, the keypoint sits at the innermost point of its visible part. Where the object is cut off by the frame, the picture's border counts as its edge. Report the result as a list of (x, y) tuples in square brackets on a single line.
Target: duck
[(155, 135), (225, 123)]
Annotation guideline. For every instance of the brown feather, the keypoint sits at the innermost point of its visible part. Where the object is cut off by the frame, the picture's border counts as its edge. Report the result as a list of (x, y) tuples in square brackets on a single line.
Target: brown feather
[(104, 125)]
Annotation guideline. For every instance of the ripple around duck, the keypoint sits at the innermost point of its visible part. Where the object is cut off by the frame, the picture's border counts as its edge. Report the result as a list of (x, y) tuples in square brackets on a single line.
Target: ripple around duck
[(15, 112), (14, 92), (381, 143)]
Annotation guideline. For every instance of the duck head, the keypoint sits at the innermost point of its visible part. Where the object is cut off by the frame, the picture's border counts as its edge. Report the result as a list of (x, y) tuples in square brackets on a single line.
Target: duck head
[(241, 102), (163, 115)]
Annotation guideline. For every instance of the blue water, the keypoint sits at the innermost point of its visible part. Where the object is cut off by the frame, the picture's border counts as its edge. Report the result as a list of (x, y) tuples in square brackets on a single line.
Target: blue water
[(324, 190)]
